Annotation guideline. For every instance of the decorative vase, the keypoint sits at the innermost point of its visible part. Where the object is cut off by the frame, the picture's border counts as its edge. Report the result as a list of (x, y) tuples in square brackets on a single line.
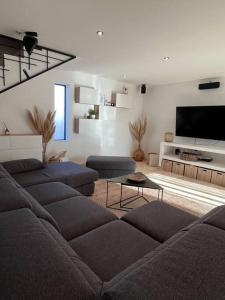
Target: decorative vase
[(139, 154), (168, 137)]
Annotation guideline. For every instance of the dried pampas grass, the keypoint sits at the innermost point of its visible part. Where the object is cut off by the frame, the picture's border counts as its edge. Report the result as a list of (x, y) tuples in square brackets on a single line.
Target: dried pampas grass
[(44, 125), (137, 130)]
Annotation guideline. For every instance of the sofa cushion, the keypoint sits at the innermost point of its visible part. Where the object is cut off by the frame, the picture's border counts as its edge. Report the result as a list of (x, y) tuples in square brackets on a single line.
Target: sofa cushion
[(69, 173), (191, 267), (32, 178), (22, 165), (216, 217), (159, 220), (12, 196), (111, 163), (111, 248), (34, 265), (39, 210), (46, 193), (78, 215)]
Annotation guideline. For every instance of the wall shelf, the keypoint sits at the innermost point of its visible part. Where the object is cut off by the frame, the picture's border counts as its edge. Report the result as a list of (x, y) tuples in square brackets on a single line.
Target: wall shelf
[(121, 100), (86, 95)]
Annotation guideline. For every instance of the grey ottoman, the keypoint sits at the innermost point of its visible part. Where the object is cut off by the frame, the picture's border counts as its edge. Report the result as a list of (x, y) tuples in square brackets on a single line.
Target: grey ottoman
[(111, 166)]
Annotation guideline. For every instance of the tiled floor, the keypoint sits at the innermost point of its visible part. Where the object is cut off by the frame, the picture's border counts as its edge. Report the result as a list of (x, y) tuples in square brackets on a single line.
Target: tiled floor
[(190, 195)]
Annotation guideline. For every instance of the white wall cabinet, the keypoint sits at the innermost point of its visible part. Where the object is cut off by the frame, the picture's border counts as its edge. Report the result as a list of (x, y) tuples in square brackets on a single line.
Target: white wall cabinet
[(20, 147), (86, 95), (121, 100)]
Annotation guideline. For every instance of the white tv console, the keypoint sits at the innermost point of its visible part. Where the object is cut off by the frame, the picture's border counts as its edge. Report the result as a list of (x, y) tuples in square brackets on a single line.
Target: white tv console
[(167, 152)]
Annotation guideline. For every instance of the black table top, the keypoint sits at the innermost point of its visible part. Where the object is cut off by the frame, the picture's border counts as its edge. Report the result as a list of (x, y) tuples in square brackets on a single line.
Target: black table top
[(145, 184)]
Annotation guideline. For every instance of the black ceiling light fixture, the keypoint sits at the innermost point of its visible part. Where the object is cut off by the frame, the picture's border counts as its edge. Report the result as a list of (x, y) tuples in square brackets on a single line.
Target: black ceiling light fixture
[(30, 41)]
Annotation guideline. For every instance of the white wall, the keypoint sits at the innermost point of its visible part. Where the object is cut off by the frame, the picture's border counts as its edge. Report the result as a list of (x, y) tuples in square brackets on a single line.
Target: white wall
[(104, 137), (160, 108)]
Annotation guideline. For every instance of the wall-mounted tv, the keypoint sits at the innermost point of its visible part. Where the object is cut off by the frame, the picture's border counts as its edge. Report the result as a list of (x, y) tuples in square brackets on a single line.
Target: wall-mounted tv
[(206, 122)]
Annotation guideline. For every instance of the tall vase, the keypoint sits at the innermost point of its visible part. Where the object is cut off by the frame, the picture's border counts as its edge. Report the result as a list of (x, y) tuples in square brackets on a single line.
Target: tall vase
[(44, 152), (139, 154)]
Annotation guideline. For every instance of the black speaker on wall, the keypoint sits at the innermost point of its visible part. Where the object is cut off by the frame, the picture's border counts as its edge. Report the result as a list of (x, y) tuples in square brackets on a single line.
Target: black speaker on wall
[(143, 89), (209, 85)]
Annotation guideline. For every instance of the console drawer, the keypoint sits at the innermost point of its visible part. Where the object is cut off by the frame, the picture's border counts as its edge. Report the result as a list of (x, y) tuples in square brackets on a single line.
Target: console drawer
[(204, 174), (178, 168), (190, 171), (167, 165), (218, 178)]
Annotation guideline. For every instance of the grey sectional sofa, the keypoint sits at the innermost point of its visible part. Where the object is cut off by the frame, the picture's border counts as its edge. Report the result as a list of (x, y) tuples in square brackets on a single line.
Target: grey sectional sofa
[(57, 244)]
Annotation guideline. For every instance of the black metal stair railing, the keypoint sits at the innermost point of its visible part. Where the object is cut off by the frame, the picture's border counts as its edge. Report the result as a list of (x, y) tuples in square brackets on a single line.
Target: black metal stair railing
[(17, 66)]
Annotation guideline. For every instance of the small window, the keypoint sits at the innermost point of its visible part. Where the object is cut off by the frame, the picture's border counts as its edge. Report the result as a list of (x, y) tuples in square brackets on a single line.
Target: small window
[(60, 95)]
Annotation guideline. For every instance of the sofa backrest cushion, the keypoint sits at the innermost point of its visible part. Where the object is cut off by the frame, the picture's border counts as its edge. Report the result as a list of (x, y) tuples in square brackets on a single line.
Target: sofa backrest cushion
[(216, 217), (22, 165), (39, 210), (11, 196), (192, 266), (34, 266)]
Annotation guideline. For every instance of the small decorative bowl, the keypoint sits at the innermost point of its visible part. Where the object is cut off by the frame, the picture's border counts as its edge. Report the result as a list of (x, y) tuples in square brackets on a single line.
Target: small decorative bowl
[(136, 177)]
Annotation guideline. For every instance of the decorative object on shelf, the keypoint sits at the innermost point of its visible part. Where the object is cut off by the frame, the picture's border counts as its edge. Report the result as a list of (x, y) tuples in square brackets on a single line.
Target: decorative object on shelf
[(6, 130), (125, 90), (189, 156), (136, 177), (137, 130), (168, 137), (57, 158), (92, 113), (44, 125)]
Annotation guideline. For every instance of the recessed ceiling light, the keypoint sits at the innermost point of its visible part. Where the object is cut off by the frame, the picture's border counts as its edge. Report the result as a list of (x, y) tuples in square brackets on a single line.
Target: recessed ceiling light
[(100, 33), (166, 58)]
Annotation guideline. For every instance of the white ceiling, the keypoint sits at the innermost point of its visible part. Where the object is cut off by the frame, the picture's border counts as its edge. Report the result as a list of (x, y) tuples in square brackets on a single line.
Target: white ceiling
[(137, 35)]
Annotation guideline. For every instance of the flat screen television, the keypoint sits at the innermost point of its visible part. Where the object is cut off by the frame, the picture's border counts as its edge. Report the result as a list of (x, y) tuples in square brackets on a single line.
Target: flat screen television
[(206, 122)]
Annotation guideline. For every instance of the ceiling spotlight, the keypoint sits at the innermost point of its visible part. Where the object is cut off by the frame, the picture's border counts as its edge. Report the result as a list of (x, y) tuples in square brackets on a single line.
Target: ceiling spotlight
[(30, 41), (166, 58), (100, 33)]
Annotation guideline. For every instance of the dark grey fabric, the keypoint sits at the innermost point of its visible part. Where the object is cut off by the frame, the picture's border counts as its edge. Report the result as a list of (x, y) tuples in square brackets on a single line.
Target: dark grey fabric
[(78, 215), (3, 172), (39, 210), (71, 174), (111, 248), (216, 217), (11, 196), (88, 274), (22, 165), (32, 178), (47, 193), (111, 163), (159, 220), (112, 173), (34, 265), (86, 189), (192, 267)]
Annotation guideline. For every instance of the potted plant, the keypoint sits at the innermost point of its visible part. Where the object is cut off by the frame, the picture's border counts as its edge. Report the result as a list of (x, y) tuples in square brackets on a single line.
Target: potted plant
[(137, 130), (92, 113)]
